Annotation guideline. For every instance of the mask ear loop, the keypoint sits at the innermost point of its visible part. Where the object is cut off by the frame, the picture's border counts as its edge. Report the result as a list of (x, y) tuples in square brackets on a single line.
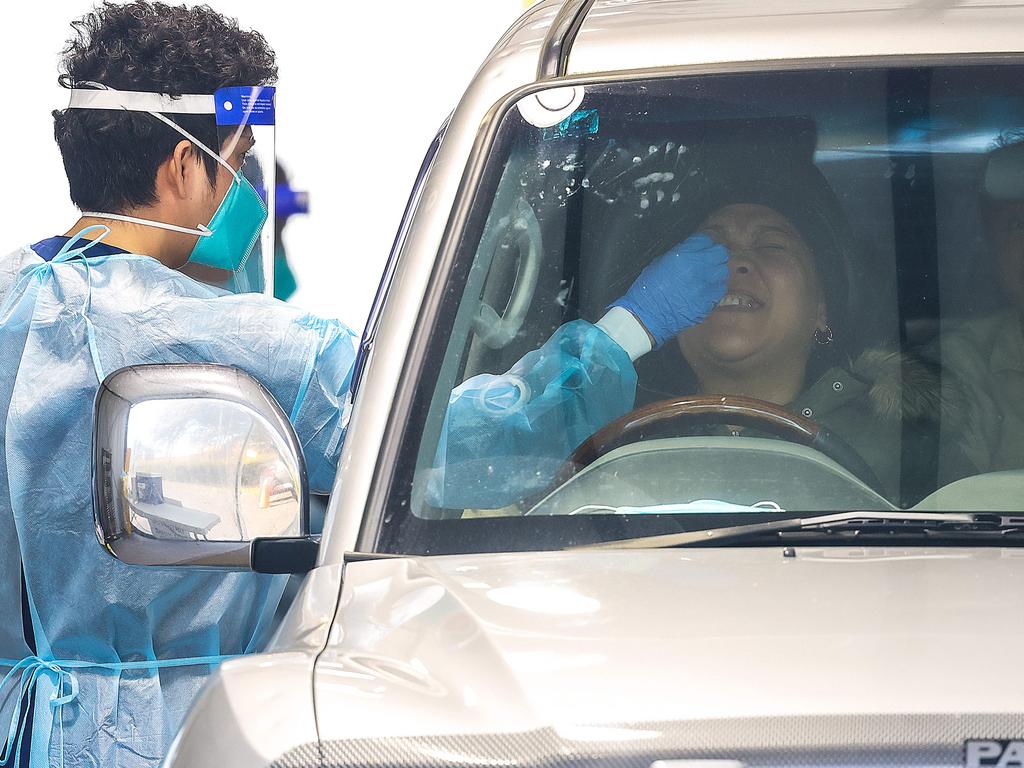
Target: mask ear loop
[(201, 230), (236, 177), (174, 126)]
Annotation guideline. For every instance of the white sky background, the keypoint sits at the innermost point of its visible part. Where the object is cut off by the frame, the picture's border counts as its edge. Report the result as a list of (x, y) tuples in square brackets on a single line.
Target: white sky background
[(363, 88)]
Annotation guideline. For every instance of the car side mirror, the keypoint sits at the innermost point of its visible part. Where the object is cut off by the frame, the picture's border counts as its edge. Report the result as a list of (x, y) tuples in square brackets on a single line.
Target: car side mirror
[(197, 465)]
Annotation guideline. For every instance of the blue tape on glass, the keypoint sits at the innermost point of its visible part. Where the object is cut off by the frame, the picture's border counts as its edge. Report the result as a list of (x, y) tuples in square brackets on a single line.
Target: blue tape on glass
[(245, 105), (582, 122)]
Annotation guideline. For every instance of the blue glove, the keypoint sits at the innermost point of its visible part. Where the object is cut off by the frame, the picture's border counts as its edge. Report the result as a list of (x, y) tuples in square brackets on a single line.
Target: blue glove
[(679, 288)]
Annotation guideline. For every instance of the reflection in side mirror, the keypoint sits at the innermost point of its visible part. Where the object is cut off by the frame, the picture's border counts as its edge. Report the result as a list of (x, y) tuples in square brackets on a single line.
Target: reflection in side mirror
[(208, 469), (198, 465)]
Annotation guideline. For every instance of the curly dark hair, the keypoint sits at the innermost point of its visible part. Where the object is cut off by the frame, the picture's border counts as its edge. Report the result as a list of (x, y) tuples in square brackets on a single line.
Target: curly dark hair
[(111, 156)]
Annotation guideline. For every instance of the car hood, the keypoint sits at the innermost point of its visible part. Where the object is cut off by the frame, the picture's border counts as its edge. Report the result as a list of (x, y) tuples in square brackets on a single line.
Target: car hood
[(584, 642)]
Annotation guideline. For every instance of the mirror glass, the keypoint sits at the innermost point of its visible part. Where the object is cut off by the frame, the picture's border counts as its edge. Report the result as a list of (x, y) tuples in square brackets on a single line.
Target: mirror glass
[(206, 469)]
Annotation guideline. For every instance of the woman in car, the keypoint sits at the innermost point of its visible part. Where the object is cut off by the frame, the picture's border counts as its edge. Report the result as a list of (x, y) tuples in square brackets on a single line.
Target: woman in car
[(755, 300)]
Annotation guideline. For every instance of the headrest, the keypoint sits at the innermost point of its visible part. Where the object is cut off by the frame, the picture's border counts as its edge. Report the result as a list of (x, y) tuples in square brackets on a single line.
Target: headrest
[(1004, 173)]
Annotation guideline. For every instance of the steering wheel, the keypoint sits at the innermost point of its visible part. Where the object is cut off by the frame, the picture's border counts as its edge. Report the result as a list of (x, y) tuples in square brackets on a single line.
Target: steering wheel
[(718, 409)]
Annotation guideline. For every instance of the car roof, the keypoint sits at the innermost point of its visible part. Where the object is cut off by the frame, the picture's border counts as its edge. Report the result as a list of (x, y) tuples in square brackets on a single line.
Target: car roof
[(640, 34), (621, 35)]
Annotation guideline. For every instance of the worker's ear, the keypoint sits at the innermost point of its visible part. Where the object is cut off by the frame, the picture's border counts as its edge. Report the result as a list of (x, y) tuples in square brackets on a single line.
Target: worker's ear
[(179, 173)]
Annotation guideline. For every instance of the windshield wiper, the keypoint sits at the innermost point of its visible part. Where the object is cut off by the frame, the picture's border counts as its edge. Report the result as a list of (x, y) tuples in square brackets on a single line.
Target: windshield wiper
[(890, 522)]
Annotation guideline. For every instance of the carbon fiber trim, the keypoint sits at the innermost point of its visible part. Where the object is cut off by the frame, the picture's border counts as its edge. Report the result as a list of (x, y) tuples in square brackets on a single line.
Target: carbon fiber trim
[(306, 756), (897, 740)]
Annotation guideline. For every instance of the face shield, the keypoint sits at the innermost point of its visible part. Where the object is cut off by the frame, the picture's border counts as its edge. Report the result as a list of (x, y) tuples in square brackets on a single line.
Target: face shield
[(235, 248), (245, 130)]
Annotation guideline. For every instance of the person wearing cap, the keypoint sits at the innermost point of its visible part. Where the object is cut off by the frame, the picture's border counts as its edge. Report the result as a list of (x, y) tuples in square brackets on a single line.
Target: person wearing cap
[(99, 660), (755, 298), (987, 352)]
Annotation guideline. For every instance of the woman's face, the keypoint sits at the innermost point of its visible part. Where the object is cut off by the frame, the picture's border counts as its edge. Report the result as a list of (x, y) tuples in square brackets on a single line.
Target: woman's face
[(774, 300)]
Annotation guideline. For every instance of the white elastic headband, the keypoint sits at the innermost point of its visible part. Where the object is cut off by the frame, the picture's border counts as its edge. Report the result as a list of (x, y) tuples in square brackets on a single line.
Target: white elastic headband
[(141, 101)]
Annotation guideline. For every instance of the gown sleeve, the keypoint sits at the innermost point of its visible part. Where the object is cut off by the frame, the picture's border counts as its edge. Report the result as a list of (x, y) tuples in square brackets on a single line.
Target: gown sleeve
[(321, 408), (505, 436)]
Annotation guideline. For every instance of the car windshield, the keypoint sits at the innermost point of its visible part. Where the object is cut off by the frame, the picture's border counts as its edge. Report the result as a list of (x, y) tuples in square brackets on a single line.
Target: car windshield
[(705, 300)]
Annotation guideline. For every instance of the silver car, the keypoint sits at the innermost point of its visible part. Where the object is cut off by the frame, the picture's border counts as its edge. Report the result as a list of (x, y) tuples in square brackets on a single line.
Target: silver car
[(543, 551)]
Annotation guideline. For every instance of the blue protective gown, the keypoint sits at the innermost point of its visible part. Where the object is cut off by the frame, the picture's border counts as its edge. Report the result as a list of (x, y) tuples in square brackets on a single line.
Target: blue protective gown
[(120, 651)]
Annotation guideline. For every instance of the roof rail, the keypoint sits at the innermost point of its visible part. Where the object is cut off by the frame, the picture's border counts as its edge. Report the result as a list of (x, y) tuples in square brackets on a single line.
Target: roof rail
[(554, 53)]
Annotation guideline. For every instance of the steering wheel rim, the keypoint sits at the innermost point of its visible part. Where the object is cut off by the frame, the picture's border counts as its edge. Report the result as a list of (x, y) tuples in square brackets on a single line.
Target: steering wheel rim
[(719, 409)]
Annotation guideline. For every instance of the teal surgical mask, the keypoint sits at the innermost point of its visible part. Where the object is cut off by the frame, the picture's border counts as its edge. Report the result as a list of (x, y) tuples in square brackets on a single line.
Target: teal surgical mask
[(234, 228)]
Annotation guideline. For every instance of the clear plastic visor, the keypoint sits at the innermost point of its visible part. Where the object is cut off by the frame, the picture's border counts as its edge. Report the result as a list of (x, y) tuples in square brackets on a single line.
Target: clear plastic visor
[(246, 142)]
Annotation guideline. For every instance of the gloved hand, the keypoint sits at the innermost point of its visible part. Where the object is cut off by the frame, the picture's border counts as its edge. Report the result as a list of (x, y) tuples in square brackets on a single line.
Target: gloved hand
[(679, 288)]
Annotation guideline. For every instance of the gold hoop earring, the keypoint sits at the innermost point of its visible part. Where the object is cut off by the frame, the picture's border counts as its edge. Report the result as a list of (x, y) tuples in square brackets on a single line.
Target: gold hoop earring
[(823, 335)]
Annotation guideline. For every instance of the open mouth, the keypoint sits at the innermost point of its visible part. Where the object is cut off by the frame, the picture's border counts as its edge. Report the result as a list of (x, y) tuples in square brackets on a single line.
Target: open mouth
[(740, 301)]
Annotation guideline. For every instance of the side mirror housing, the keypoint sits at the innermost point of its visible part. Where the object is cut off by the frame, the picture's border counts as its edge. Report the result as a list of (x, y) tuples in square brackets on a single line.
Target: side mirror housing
[(197, 465)]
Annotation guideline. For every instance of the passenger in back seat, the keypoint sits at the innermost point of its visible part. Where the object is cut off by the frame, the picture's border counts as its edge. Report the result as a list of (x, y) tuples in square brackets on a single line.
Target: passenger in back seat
[(987, 353)]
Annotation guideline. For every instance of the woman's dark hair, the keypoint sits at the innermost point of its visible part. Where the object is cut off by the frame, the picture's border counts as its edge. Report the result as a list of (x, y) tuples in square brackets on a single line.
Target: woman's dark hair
[(111, 156)]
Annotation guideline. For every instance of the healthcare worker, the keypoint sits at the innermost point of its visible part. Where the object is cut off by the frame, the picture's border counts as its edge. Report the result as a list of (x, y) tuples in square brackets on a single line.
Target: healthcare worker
[(102, 659)]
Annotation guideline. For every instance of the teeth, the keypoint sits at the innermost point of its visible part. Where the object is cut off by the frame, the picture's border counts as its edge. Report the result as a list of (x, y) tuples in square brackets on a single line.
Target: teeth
[(738, 300)]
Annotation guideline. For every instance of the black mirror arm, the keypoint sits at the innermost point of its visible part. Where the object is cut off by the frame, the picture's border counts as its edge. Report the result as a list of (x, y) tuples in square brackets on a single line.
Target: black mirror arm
[(286, 554)]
